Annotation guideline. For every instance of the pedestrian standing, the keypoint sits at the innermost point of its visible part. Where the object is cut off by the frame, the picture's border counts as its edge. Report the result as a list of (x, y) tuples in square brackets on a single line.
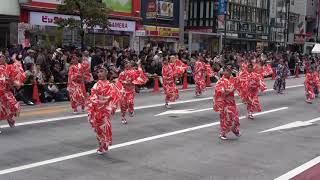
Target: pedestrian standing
[(225, 104), (102, 105)]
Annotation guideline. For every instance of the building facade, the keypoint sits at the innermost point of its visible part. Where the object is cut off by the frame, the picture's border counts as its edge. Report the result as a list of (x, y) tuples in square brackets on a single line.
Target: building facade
[(9, 17), (160, 24), (37, 25), (244, 23), (201, 25)]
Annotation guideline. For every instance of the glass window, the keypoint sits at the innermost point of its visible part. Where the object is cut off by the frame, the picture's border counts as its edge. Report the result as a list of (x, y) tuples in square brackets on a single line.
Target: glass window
[(208, 10), (195, 10), (201, 9)]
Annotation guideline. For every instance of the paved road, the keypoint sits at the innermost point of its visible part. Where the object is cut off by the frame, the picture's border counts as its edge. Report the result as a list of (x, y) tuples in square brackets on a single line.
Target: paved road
[(50, 142)]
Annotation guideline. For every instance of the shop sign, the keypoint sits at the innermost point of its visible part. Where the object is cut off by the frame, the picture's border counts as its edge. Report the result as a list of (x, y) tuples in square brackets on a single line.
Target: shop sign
[(250, 36), (120, 25), (50, 1), (165, 9), (48, 19), (162, 31), (232, 35), (299, 38), (140, 33), (151, 9)]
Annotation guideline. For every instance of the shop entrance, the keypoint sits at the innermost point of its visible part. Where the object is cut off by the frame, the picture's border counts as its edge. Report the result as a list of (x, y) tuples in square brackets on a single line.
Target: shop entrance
[(212, 42), (4, 35)]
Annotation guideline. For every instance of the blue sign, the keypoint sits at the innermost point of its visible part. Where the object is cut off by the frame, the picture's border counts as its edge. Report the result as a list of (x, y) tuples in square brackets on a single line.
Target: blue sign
[(221, 7)]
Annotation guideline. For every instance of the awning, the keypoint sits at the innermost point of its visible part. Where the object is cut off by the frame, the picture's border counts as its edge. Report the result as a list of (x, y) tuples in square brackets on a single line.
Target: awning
[(316, 49)]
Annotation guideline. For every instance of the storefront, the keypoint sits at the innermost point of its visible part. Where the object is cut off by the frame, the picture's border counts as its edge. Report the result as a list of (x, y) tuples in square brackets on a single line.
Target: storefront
[(42, 31), (165, 38)]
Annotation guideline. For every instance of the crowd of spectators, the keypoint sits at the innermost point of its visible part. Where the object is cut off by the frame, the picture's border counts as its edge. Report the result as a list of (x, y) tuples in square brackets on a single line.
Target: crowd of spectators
[(48, 69)]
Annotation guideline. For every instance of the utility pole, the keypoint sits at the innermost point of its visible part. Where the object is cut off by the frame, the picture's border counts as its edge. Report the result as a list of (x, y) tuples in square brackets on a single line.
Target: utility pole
[(225, 24), (181, 21)]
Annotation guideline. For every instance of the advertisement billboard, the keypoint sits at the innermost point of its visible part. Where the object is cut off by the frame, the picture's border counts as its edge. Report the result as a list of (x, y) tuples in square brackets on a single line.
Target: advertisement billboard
[(151, 9), (124, 6), (165, 9)]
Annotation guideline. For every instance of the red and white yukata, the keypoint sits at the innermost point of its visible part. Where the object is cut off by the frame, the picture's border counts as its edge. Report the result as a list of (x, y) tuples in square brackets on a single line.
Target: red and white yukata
[(250, 92), (129, 79), (9, 106), (259, 70), (169, 73), (76, 87), (102, 105), (225, 104), (200, 76), (311, 84)]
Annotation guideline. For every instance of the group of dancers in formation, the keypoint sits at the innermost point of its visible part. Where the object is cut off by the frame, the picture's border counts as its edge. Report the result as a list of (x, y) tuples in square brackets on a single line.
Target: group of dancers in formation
[(108, 94)]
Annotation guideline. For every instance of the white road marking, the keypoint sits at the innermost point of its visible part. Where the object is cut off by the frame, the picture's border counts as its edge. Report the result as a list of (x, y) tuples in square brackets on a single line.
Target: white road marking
[(77, 155), (186, 111), (293, 125), (299, 169), (136, 108)]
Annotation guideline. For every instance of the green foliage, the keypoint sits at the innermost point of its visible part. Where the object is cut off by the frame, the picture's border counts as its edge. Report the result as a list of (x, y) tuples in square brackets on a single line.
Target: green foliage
[(92, 13), (59, 37), (47, 42)]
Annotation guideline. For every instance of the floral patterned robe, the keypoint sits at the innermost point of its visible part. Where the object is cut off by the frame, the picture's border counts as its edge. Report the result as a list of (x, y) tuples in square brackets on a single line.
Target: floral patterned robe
[(199, 76), (76, 87), (130, 78), (225, 104), (102, 104), (10, 75)]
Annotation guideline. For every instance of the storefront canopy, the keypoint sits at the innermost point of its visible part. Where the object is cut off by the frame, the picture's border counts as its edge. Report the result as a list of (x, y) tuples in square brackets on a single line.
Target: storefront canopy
[(316, 49)]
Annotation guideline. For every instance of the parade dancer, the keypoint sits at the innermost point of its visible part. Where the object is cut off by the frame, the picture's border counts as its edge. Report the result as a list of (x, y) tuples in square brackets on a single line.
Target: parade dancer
[(171, 70), (311, 84), (129, 79), (258, 68), (76, 85), (250, 92), (102, 105), (85, 71), (225, 104), (10, 76), (199, 76)]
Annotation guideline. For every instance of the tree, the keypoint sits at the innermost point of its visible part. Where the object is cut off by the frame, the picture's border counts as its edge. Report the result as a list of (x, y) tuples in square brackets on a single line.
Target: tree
[(93, 13)]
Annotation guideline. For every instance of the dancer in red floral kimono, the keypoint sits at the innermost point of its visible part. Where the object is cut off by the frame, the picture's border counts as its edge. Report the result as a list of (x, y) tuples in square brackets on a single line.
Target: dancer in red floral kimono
[(76, 85), (171, 70), (102, 105), (129, 79), (10, 75), (250, 92), (199, 76), (225, 104), (311, 83), (258, 68)]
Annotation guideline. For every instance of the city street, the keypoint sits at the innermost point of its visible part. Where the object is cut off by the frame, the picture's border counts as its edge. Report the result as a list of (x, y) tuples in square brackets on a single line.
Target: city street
[(49, 142)]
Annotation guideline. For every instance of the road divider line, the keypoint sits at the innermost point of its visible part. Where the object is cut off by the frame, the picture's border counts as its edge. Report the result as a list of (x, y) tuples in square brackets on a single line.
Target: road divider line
[(187, 111), (291, 125), (300, 169), (136, 108), (77, 155)]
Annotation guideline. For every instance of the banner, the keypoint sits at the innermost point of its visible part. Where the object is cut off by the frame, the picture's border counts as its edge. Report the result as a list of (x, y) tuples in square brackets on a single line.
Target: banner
[(221, 7), (221, 22), (124, 6)]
